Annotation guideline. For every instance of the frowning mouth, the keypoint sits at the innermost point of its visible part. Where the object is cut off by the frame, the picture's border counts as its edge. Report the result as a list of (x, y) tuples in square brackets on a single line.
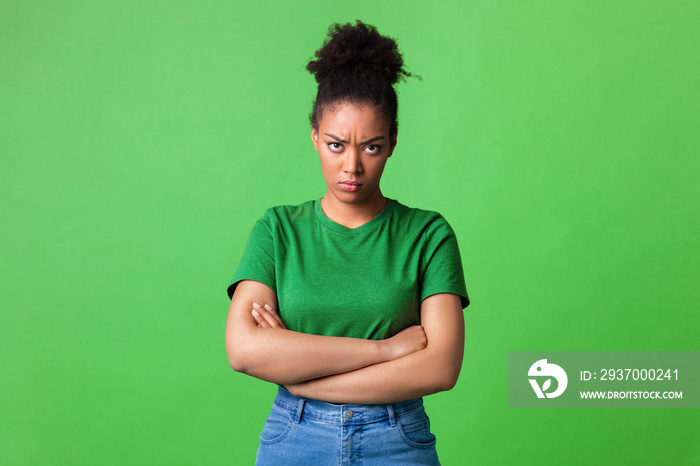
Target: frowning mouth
[(349, 185)]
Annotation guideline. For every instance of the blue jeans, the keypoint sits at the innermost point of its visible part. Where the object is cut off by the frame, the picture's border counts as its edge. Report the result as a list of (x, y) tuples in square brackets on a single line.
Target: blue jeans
[(306, 432)]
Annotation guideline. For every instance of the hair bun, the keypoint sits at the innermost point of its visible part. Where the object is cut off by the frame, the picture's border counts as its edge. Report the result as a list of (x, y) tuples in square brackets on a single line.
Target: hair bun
[(358, 50)]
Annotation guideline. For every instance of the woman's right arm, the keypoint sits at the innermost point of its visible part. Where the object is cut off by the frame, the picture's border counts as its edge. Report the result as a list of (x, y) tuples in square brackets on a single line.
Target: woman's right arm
[(286, 357)]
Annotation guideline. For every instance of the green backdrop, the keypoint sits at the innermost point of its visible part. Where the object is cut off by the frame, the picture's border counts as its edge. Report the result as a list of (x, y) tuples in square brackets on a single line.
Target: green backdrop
[(139, 142)]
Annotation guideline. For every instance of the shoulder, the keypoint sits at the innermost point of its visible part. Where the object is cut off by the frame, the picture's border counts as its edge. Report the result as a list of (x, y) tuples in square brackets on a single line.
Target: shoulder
[(287, 214), (425, 220)]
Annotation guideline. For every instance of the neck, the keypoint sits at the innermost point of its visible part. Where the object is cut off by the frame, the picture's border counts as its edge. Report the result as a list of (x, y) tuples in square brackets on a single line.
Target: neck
[(352, 215)]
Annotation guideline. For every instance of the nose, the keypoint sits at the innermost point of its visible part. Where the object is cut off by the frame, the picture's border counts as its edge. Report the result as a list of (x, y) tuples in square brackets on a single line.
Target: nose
[(352, 162)]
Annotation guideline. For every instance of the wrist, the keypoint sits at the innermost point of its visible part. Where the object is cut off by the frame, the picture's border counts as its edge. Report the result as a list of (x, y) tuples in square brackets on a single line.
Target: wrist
[(384, 349)]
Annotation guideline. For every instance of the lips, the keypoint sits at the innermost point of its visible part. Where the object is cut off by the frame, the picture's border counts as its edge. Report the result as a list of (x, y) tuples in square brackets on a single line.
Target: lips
[(349, 185)]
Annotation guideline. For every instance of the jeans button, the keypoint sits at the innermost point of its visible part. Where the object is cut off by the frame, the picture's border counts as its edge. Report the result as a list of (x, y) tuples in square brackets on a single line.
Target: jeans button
[(348, 413)]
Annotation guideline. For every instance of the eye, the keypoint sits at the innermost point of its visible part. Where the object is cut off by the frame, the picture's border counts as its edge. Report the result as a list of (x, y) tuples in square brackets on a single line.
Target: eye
[(335, 146), (373, 149)]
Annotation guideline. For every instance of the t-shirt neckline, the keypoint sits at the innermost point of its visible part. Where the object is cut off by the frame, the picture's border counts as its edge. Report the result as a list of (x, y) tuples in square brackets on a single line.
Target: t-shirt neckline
[(353, 231)]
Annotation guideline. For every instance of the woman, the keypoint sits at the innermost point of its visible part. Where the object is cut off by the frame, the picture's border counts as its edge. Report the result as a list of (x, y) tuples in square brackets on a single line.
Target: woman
[(351, 303)]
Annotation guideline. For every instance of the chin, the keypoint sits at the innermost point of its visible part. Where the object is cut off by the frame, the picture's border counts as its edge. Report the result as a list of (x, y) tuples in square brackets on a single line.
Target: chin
[(357, 197), (350, 198)]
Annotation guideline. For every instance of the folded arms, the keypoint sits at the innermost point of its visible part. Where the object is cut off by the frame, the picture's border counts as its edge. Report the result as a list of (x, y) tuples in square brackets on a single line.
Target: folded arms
[(419, 361)]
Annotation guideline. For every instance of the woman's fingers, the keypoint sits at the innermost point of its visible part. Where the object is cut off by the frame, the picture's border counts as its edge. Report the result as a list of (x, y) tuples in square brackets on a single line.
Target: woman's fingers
[(259, 318), (267, 317), (272, 311), (263, 317)]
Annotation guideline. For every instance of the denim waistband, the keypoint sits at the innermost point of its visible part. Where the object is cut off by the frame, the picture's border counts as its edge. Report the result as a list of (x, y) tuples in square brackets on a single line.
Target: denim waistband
[(345, 414)]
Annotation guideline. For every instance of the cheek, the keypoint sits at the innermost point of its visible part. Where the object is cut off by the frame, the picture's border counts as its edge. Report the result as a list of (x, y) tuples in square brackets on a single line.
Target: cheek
[(377, 168), (326, 164)]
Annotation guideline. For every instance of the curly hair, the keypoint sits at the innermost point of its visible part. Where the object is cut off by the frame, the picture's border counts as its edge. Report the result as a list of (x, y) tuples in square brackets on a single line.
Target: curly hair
[(356, 64)]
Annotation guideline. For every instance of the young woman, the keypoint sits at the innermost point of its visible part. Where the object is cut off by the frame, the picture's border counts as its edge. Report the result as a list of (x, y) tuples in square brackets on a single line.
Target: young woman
[(351, 303)]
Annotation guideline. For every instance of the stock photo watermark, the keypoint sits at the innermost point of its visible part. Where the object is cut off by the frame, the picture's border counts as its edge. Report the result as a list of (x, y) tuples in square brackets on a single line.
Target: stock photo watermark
[(604, 379)]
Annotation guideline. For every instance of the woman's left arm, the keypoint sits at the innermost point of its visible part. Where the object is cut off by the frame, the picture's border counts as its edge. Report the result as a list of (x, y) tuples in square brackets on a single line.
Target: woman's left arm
[(430, 370)]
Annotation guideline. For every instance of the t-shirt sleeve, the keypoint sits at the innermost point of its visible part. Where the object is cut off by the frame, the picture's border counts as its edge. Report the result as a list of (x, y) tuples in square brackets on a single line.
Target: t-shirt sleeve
[(258, 261), (442, 272)]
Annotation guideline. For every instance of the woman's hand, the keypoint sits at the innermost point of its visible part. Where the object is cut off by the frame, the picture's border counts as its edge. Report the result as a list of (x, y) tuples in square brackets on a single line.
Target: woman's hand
[(405, 342), (266, 316)]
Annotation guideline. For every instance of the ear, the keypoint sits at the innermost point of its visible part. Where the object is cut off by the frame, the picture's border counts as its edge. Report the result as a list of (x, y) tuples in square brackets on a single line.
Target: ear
[(314, 138), (393, 144)]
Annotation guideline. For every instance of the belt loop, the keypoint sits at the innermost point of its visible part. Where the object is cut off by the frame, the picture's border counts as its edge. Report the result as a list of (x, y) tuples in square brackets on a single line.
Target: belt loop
[(300, 409), (392, 416)]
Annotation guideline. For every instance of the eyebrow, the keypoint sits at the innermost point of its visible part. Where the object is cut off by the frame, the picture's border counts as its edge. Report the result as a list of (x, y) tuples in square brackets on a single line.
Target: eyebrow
[(376, 138)]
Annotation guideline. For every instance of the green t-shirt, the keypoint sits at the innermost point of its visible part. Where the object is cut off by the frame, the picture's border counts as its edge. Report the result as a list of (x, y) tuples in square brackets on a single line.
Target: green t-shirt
[(366, 282)]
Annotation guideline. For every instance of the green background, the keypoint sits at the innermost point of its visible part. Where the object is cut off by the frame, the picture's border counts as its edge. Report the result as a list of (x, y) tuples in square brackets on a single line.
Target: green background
[(139, 142)]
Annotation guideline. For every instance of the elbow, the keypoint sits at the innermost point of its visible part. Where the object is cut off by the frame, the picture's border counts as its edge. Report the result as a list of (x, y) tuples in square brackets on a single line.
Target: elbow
[(440, 370), (447, 379), (449, 382), (238, 363), (442, 384), (238, 356), (438, 384)]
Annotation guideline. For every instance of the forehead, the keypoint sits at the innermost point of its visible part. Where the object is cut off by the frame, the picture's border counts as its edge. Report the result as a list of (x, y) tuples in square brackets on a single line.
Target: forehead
[(361, 119)]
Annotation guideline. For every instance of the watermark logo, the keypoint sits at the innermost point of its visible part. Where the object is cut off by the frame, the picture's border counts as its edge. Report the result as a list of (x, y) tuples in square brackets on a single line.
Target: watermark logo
[(543, 368), (603, 379)]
